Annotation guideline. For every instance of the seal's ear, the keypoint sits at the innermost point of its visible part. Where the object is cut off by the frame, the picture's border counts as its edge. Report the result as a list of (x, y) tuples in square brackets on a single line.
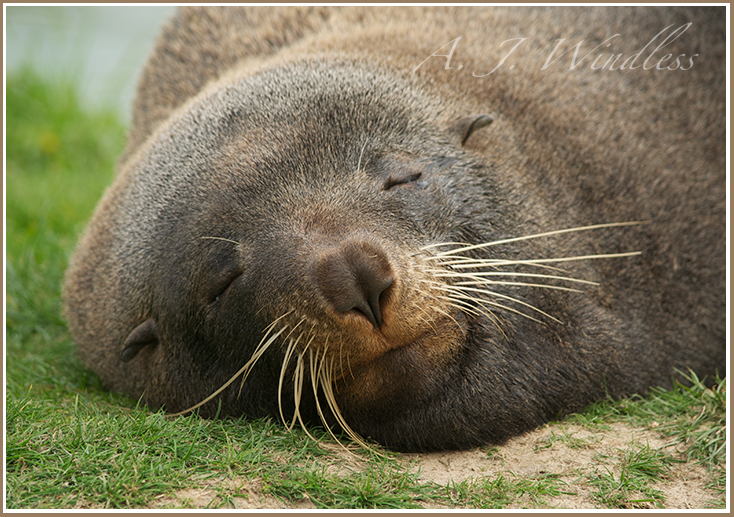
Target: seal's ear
[(464, 127), (143, 335)]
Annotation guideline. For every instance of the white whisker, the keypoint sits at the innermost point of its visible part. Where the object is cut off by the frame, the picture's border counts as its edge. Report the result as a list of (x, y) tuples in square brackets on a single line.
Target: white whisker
[(497, 262), (289, 351), (427, 318), (297, 391), (220, 239), (524, 284), (456, 274), (461, 292), (326, 385), (461, 306), (484, 263), (244, 371), (359, 162), (469, 247), (321, 375), (456, 298)]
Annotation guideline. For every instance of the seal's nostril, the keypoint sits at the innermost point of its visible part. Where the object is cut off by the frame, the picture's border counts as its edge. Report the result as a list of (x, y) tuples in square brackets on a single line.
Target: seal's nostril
[(354, 276), (373, 291)]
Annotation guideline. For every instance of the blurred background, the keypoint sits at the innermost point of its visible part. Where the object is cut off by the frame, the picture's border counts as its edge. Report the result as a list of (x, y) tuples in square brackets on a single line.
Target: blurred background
[(70, 79), (100, 49)]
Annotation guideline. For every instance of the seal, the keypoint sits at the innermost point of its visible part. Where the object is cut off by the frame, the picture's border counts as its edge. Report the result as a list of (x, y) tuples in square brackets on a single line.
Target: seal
[(432, 228)]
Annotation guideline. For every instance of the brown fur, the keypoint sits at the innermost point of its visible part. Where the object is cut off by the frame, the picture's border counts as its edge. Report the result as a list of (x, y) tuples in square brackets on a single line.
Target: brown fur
[(295, 152)]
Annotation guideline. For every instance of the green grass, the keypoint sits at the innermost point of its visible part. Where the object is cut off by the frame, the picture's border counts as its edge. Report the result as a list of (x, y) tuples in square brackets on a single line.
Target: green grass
[(58, 161), (503, 490), (71, 443), (383, 487), (691, 414), (632, 487)]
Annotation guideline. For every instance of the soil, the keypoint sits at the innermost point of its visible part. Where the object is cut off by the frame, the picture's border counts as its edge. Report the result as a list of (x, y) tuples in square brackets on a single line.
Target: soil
[(568, 452), (532, 456)]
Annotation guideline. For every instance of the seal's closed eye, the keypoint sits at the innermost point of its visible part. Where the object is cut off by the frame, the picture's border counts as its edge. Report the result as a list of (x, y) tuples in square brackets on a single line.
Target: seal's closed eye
[(400, 178), (224, 285)]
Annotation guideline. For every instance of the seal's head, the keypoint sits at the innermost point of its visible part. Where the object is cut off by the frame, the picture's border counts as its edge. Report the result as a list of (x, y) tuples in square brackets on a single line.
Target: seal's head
[(288, 223)]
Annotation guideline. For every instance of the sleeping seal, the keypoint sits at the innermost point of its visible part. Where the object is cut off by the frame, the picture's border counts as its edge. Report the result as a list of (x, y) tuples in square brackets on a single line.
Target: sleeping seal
[(432, 228)]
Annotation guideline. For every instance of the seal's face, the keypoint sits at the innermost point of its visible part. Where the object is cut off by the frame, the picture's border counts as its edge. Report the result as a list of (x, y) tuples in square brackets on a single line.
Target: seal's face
[(301, 244)]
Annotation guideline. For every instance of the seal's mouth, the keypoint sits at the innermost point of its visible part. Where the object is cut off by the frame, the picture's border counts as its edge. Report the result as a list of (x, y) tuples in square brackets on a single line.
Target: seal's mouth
[(406, 367), (435, 341)]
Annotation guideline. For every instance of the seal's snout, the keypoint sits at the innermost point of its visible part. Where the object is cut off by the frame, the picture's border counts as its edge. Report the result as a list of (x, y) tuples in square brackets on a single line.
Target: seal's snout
[(354, 276)]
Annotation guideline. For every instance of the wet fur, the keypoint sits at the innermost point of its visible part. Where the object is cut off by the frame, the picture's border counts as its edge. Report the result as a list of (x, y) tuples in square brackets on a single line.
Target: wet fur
[(268, 141)]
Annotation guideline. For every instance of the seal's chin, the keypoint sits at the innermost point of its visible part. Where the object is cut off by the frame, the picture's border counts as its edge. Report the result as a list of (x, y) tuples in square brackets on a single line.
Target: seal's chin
[(405, 370)]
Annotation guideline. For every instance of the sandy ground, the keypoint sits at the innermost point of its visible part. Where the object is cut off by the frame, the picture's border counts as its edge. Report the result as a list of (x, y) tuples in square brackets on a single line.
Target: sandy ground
[(569, 452), (531, 456)]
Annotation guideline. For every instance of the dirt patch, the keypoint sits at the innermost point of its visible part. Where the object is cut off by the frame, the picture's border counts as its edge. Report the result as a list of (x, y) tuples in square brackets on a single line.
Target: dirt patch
[(572, 456), (227, 493), (568, 455)]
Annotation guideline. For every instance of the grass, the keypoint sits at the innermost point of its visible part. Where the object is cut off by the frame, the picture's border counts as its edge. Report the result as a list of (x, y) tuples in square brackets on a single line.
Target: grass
[(632, 487), (503, 490), (694, 415), (71, 444), (385, 487), (691, 415)]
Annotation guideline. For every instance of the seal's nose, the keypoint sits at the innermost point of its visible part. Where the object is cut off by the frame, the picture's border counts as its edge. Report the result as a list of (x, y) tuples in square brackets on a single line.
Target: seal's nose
[(353, 276)]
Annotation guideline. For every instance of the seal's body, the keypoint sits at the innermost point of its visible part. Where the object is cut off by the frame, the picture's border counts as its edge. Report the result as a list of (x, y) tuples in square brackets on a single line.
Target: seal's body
[(315, 199)]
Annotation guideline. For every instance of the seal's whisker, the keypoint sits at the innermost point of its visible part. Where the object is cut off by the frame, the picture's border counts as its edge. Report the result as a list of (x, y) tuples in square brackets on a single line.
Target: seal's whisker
[(427, 318), (472, 263), (286, 360), (465, 289), (470, 247), (497, 305), (437, 309), (259, 354), (349, 364), (465, 307), (501, 262), (256, 356), (317, 367), (297, 391), (462, 305), (325, 379), (295, 327), (298, 375), (220, 239), (524, 284), (359, 162), (313, 367), (299, 385), (275, 322), (474, 279), (457, 274), (482, 301), (244, 371), (437, 244), (444, 313), (341, 357)]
